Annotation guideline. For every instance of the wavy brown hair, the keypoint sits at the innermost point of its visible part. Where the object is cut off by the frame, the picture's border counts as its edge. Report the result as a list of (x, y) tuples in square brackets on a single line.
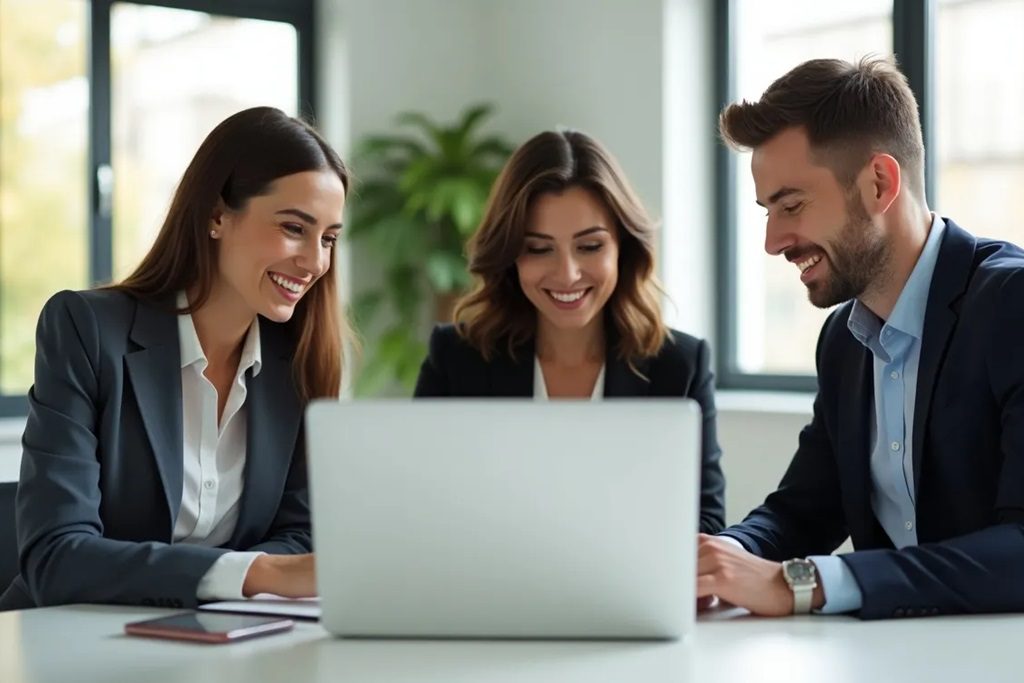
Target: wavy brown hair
[(496, 309), (238, 160), (849, 110)]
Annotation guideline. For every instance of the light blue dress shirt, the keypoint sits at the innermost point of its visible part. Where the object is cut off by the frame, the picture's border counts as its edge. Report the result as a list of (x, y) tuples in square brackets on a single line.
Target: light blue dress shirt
[(896, 347)]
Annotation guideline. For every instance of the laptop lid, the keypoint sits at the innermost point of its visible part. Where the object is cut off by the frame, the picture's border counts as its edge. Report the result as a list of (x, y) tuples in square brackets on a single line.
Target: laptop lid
[(505, 518)]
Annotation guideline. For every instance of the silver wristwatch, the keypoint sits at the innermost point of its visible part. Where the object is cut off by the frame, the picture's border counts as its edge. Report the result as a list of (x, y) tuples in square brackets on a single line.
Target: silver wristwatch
[(802, 578)]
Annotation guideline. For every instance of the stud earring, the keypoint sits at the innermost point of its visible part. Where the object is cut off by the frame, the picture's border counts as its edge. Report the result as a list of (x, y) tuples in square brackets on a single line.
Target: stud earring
[(213, 234)]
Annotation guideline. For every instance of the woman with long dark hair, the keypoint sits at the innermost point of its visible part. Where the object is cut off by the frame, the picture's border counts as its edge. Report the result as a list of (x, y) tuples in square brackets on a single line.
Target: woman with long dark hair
[(163, 453)]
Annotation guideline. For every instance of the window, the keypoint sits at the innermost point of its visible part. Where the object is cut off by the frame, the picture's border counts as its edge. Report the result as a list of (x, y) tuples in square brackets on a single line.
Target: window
[(103, 105), (966, 66), (44, 102), (979, 139)]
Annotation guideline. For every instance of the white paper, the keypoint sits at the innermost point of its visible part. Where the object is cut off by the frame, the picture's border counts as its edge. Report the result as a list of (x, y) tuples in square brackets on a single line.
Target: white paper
[(267, 603)]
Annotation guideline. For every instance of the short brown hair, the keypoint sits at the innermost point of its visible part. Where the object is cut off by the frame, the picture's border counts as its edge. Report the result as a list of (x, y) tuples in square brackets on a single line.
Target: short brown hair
[(240, 159), (552, 162), (849, 111)]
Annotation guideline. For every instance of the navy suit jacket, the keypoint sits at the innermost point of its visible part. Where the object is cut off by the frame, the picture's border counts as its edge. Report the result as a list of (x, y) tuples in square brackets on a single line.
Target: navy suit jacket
[(681, 369), (968, 450), (101, 471)]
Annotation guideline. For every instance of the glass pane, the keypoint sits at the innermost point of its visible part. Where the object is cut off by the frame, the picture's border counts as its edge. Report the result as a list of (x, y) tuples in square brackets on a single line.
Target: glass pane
[(777, 327), (175, 75), (44, 100), (980, 96)]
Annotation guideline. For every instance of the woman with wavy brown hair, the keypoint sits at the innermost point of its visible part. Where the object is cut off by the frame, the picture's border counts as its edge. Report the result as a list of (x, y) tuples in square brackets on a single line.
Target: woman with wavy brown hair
[(163, 453), (566, 303)]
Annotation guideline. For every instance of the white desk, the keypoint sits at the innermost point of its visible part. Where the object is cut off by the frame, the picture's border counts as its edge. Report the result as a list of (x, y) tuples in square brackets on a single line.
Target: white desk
[(85, 644)]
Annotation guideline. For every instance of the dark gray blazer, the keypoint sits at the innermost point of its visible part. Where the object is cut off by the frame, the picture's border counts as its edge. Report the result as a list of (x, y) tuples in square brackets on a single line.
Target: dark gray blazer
[(101, 472), (682, 368)]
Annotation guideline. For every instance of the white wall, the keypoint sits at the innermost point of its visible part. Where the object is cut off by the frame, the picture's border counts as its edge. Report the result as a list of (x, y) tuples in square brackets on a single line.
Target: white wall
[(587, 64), (758, 435)]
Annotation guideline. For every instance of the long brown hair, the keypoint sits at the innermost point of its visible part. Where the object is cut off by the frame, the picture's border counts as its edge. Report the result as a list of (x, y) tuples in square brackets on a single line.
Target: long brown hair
[(551, 162), (850, 111), (239, 160)]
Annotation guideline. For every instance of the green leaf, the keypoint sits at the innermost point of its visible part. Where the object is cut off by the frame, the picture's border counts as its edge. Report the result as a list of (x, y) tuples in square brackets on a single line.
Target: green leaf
[(396, 239), (492, 146), (398, 357), (406, 294), (407, 369), (419, 120), (373, 377), (444, 270), (420, 174), (456, 199), (467, 207), (472, 117), (375, 146), (366, 306)]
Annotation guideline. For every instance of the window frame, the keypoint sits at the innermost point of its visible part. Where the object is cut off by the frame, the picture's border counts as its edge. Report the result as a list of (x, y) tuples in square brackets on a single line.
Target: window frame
[(100, 248), (913, 25)]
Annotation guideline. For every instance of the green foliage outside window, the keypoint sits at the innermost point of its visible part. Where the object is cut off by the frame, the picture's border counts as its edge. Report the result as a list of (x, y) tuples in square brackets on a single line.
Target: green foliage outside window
[(43, 210)]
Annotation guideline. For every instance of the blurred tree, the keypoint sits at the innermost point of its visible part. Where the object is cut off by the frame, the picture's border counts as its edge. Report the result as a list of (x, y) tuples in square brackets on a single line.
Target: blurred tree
[(43, 133)]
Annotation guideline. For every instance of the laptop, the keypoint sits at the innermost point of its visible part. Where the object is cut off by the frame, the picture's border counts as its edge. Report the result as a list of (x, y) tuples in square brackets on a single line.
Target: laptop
[(505, 518)]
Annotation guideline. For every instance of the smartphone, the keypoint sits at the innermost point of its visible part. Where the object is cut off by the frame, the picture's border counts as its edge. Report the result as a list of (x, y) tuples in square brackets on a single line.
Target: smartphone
[(209, 627)]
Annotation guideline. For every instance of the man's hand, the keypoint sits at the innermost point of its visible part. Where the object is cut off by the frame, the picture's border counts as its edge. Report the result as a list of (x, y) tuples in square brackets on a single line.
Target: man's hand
[(291, 576), (743, 579)]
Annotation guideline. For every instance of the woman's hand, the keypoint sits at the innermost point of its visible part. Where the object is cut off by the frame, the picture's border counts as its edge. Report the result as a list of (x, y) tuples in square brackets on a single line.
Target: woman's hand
[(290, 576)]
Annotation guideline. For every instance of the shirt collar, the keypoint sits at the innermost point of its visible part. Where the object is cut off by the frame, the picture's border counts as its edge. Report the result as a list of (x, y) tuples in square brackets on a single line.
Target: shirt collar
[(192, 351), (908, 313)]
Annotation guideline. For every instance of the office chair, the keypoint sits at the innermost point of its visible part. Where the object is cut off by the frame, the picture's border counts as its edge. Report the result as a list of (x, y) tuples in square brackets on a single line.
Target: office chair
[(8, 537)]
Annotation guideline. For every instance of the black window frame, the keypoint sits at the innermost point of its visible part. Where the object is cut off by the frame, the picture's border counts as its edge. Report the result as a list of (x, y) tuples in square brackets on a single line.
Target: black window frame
[(298, 13), (913, 25)]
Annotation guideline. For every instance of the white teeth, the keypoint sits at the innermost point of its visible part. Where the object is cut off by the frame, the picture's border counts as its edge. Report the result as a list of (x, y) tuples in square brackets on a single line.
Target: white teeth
[(804, 265), (287, 284), (568, 297)]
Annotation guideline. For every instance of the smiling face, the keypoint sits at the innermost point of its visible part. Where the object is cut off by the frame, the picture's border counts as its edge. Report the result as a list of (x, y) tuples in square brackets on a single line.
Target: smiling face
[(569, 265), (279, 244), (818, 226)]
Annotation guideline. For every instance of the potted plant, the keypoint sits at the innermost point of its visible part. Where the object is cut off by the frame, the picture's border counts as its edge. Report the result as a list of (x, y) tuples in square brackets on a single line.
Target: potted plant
[(420, 193)]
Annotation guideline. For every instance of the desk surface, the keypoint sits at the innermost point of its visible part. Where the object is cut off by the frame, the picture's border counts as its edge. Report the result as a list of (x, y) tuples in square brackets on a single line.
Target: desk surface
[(86, 643)]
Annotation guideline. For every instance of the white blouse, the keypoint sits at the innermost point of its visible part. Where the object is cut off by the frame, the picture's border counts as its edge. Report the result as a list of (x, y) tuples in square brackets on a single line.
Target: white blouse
[(213, 459), (540, 388)]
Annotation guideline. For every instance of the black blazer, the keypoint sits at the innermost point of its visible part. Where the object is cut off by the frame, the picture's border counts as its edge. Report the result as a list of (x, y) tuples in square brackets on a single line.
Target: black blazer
[(968, 450), (681, 369), (101, 472)]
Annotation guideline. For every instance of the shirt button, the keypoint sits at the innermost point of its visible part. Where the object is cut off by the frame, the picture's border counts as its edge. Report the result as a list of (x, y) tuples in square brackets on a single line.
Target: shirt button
[(895, 445), (908, 526), (894, 374), (208, 484)]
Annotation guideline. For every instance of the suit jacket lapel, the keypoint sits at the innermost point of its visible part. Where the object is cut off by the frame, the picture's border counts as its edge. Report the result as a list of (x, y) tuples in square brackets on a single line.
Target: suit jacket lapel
[(273, 419), (949, 281), (853, 442), (155, 374), (513, 378), (620, 380)]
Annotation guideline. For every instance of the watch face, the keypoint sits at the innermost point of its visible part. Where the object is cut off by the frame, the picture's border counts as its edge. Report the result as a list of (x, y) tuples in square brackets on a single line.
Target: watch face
[(799, 572)]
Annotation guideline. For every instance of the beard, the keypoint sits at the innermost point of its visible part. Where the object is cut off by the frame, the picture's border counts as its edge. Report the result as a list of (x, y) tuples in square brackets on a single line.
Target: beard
[(859, 260)]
